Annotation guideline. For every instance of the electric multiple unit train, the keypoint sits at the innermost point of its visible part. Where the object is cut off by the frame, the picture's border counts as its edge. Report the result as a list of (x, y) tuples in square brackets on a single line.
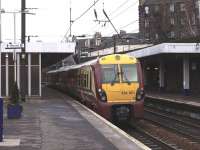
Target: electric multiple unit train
[(111, 85)]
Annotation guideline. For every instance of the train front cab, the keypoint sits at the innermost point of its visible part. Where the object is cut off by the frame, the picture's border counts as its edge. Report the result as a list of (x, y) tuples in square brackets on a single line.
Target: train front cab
[(121, 94)]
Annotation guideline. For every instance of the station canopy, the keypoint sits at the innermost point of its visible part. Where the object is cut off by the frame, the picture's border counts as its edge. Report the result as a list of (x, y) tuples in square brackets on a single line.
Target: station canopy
[(40, 47), (167, 48)]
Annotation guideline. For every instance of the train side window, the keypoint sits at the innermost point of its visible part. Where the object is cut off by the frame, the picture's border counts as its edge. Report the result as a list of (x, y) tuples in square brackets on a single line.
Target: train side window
[(86, 80), (79, 80), (83, 80)]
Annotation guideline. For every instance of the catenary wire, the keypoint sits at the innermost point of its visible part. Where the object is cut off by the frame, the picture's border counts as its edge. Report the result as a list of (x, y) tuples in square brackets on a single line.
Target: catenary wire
[(95, 2)]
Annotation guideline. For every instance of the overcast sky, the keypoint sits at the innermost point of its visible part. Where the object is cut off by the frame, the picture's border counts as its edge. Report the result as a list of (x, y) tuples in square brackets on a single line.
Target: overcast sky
[(52, 18)]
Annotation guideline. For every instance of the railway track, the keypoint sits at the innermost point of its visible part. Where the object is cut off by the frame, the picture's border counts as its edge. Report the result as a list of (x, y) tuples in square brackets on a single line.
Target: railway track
[(155, 143), (187, 127)]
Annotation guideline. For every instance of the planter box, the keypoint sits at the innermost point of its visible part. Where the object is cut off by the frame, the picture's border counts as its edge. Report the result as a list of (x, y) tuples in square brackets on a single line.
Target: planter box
[(14, 111)]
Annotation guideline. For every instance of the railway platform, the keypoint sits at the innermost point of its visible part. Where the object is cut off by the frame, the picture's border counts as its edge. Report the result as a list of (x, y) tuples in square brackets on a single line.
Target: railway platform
[(187, 106), (57, 122), (192, 100)]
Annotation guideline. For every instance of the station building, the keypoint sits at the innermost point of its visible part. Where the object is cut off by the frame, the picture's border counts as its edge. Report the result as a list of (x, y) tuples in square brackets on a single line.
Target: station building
[(171, 67), (29, 74)]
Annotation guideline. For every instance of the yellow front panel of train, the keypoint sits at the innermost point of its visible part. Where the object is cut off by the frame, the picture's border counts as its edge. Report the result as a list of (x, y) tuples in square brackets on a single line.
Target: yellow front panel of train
[(119, 77), (120, 92)]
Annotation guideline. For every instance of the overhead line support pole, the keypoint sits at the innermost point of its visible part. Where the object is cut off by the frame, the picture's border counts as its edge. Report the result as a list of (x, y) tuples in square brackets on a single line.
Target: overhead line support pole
[(70, 22), (114, 38), (23, 25), (23, 48)]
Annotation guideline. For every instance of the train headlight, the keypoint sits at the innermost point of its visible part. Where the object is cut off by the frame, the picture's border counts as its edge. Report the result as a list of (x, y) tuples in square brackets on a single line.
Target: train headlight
[(140, 94), (102, 95)]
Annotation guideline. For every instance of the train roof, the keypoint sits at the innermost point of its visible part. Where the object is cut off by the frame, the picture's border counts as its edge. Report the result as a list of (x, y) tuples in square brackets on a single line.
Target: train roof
[(114, 58), (117, 59), (66, 68)]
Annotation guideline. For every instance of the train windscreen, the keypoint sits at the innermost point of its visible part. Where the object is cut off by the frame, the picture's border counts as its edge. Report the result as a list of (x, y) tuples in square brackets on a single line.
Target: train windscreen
[(110, 73), (129, 73)]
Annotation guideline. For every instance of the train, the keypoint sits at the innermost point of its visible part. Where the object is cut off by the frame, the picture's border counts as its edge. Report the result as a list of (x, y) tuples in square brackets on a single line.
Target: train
[(111, 85)]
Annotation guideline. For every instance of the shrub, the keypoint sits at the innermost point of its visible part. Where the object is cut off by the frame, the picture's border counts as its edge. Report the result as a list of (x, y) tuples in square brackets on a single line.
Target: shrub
[(14, 99)]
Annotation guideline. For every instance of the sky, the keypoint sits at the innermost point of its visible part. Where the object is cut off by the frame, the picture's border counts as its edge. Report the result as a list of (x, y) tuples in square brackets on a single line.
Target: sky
[(51, 19)]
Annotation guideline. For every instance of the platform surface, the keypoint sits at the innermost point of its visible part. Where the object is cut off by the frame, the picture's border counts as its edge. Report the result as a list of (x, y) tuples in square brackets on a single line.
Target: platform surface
[(193, 100), (57, 122)]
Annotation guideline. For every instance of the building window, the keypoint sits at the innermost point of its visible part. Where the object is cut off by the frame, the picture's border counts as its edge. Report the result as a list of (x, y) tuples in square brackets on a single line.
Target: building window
[(146, 10), (182, 34), (172, 21), (197, 5), (146, 23), (87, 43), (156, 8), (172, 34), (147, 36), (182, 21), (182, 6), (171, 7), (98, 41), (156, 36), (193, 19)]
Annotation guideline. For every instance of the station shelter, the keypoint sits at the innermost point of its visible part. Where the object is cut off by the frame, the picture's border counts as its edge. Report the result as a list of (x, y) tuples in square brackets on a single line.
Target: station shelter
[(171, 67), (29, 74)]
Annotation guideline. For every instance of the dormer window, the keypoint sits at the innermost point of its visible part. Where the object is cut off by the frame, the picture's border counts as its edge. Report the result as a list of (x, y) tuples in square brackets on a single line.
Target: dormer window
[(98, 42), (87, 43)]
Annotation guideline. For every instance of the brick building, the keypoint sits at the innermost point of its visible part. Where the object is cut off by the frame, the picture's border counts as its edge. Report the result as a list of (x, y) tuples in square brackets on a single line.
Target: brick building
[(166, 20), (87, 45)]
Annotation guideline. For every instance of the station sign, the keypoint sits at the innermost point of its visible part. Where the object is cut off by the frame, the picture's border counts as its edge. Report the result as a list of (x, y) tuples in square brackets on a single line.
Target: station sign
[(14, 46)]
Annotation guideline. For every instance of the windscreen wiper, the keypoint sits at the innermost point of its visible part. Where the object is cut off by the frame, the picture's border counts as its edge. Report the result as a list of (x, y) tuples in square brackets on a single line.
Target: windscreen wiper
[(125, 77), (113, 81)]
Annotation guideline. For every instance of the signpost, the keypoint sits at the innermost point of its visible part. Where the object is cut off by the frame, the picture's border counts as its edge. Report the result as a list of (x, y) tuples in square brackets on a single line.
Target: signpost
[(14, 47)]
